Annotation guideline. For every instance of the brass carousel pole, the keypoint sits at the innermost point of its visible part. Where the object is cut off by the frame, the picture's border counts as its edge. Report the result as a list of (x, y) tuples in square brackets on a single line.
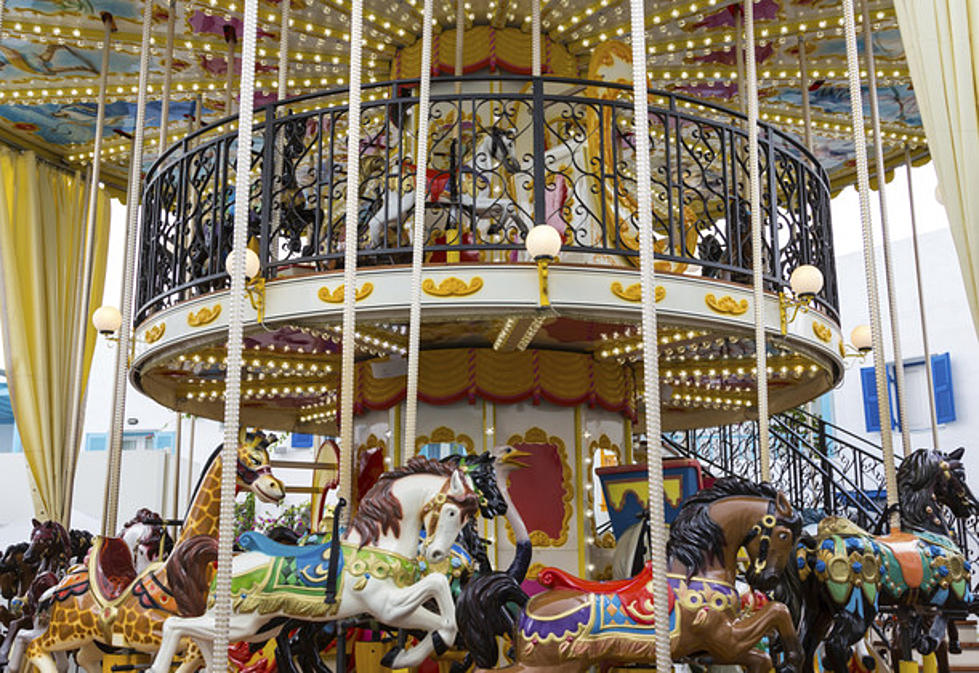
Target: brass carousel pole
[(460, 38), (651, 391), (111, 507), (757, 267), (418, 235), (229, 91), (889, 285), (236, 299), (870, 265), (348, 345)]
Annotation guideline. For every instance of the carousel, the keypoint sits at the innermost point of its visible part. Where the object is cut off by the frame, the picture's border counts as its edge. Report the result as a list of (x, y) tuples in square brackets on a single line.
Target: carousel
[(517, 267)]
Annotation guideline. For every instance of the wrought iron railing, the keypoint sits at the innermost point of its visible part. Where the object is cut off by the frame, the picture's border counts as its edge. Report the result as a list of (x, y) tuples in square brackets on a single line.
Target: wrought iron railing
[(504, 154)]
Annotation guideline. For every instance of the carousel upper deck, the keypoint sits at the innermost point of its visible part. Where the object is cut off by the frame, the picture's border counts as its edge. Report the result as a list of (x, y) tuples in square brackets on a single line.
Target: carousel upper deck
[(504, 153)]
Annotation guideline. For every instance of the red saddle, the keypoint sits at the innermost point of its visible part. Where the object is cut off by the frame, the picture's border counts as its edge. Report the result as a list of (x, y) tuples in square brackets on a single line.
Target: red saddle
[(114, 569), (634, 593)]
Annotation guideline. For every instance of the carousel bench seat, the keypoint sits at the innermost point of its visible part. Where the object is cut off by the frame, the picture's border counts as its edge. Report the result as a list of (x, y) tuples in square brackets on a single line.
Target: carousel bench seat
[(114, 569)]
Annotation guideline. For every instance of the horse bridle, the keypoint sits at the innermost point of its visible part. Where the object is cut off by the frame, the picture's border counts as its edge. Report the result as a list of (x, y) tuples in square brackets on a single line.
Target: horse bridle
[(434, 507), (763, 531)]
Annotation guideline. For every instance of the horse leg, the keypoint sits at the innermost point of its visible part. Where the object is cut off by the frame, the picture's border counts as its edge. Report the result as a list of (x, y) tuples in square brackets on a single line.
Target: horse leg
[(756, 661), (90, 658), (941, 656), (728, 642), (954, 645), (848, 629), (25, 622), (936, 634)]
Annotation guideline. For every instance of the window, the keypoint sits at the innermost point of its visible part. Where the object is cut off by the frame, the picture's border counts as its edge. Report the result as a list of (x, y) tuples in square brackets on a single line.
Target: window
[(133, 441), (302, 441), (916, 384), (440, 450)]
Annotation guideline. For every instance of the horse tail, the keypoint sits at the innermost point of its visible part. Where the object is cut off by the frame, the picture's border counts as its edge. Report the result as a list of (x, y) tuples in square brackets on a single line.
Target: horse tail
[(482, 614), (188, 573)]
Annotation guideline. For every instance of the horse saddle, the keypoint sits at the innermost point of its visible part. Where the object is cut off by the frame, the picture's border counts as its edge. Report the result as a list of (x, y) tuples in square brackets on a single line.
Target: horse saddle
[(555, 578), (306, 565), (904, 547), (111, 566)]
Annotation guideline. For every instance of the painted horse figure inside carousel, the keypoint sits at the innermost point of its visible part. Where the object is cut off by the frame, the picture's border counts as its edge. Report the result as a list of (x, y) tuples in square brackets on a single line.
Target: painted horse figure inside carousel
[(577, 623), (381, 572), (105, 601), (844, 575)]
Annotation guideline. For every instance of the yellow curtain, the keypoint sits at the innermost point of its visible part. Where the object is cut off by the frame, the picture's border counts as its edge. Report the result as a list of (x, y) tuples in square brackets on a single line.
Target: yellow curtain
[(42, 239), (941, 39)]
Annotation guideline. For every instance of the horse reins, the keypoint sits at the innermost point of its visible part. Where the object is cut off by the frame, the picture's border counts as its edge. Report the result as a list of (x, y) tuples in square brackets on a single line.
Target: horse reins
[(763, 531)]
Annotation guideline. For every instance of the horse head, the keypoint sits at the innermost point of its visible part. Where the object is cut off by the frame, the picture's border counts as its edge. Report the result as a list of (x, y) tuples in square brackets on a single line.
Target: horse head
[(930, 480), (144, 534), (254, 469), (49, 542), (444, 515), (503, 148)]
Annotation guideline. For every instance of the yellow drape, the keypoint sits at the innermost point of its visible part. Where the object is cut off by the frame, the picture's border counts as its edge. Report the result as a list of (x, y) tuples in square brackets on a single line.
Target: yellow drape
[(42, 239), (941, 39)]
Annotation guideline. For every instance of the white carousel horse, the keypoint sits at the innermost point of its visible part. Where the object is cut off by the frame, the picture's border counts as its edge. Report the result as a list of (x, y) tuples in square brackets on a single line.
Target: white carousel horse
[(381, 573)]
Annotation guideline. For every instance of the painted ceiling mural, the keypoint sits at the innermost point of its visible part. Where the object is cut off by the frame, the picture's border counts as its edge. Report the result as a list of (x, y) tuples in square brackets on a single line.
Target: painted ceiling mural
[(50, 54)]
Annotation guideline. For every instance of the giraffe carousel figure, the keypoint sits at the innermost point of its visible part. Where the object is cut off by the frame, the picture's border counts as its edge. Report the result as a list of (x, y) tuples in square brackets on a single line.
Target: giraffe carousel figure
[(105, 602)]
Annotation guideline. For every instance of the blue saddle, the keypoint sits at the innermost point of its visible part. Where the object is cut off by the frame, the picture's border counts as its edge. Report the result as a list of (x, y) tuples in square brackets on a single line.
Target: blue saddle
[(303, 564)]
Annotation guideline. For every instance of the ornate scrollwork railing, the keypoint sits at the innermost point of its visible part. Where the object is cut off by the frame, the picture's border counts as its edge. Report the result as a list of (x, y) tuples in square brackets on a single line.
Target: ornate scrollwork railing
[(504, 154)]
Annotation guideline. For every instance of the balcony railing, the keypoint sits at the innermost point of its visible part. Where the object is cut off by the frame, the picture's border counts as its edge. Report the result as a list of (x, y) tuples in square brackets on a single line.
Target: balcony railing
[(504, 154)]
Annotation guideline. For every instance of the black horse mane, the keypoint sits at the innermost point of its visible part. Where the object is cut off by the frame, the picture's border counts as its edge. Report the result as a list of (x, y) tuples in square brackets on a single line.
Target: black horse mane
[(695, 538)]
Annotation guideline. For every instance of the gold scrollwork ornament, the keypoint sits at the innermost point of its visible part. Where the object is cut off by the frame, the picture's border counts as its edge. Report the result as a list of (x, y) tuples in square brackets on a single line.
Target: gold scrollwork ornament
[(726, 305), (824, 333), (452, 287), (336, 296), (155, 333), (634, 292), (205, 316)]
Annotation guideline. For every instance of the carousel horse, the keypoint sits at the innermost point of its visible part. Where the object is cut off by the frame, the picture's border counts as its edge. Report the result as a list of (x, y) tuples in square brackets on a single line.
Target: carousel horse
[(107, 602), (844, 575), (381, 573), (577, 624), (15, 580), (81, 542), (48, 551), (146, 537)]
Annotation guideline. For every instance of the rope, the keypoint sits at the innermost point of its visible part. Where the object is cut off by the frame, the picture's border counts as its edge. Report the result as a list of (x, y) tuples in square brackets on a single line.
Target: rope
[(870, 267), (350, 261), (739, 58), (236, 298), (757, 270), (167, 75), (460, 31), (651, 395), (804, 87), (284, 48), (111, 501), (921, 304), (890, 288), (418, 233), (535, 37)]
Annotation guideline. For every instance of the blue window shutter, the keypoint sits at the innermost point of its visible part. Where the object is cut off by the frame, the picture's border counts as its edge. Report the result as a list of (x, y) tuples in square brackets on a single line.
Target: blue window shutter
[(941, 371), (892, 401), (871, 416), (302, 441)]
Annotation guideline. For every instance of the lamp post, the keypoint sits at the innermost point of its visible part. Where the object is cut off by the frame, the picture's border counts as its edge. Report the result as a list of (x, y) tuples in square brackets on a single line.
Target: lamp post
[(543, 243), (805, 282)]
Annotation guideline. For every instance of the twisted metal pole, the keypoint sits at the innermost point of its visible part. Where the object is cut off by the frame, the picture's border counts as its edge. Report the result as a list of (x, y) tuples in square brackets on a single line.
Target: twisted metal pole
[(757, 268), (167, 76), (890, 288), (535, 38), (111, 507), (345, 487), (236, 319), (418, 234), (283, 73), (870, 265), (651, 394), (804, 87)]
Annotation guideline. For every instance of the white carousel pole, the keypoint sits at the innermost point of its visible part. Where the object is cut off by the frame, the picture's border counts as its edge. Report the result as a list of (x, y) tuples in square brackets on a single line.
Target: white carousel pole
[(229, 90), (418, 234), (535, 38), (236, 299), (76, 421), (111, 507), (651, 394), (870, 266), (284, 48), (167, 76), (921, 304), (348, 344), (460, 37), (889, 285), (757, 267), (804, 87)]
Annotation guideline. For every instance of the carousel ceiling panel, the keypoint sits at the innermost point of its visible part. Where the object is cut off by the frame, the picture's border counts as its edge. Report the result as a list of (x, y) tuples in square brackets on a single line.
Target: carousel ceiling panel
[(50, 55)]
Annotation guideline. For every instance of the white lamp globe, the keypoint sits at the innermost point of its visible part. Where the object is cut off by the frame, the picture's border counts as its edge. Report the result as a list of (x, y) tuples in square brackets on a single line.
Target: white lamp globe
[(107, 319), (543, 241), (806, 281), (860, 338), (252, 265)]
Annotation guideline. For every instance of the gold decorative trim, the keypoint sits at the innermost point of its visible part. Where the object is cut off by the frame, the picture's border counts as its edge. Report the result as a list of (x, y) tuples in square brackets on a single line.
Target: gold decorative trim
[(726, 305), (447, 435), (452, 287), (204, 317), (634, 292), (336, 296), (842, 348), (534, 570), (539, 538), (153, 334), (824, 333)]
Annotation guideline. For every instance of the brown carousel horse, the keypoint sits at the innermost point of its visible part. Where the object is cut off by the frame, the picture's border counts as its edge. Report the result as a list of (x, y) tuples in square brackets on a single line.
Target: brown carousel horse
[(577, 624), (15, 579), (107, 602)]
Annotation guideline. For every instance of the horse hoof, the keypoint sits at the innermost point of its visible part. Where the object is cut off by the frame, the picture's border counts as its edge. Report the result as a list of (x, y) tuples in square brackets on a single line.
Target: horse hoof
[(955, 647), (388, 659)]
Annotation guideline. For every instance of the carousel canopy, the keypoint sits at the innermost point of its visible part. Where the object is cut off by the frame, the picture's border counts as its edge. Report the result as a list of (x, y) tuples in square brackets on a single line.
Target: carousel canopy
[(50, 58)]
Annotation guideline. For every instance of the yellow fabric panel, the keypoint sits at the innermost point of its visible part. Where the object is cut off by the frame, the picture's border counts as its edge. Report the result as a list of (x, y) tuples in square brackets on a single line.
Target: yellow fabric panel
[(434, 369), (941, 41), (504, 374), (42, 239)]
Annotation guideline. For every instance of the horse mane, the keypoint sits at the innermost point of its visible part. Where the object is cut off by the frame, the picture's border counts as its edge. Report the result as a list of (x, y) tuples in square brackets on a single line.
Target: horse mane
[(916, 477), (187, 573), (695, 538), (380, 510), (16, 548)]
